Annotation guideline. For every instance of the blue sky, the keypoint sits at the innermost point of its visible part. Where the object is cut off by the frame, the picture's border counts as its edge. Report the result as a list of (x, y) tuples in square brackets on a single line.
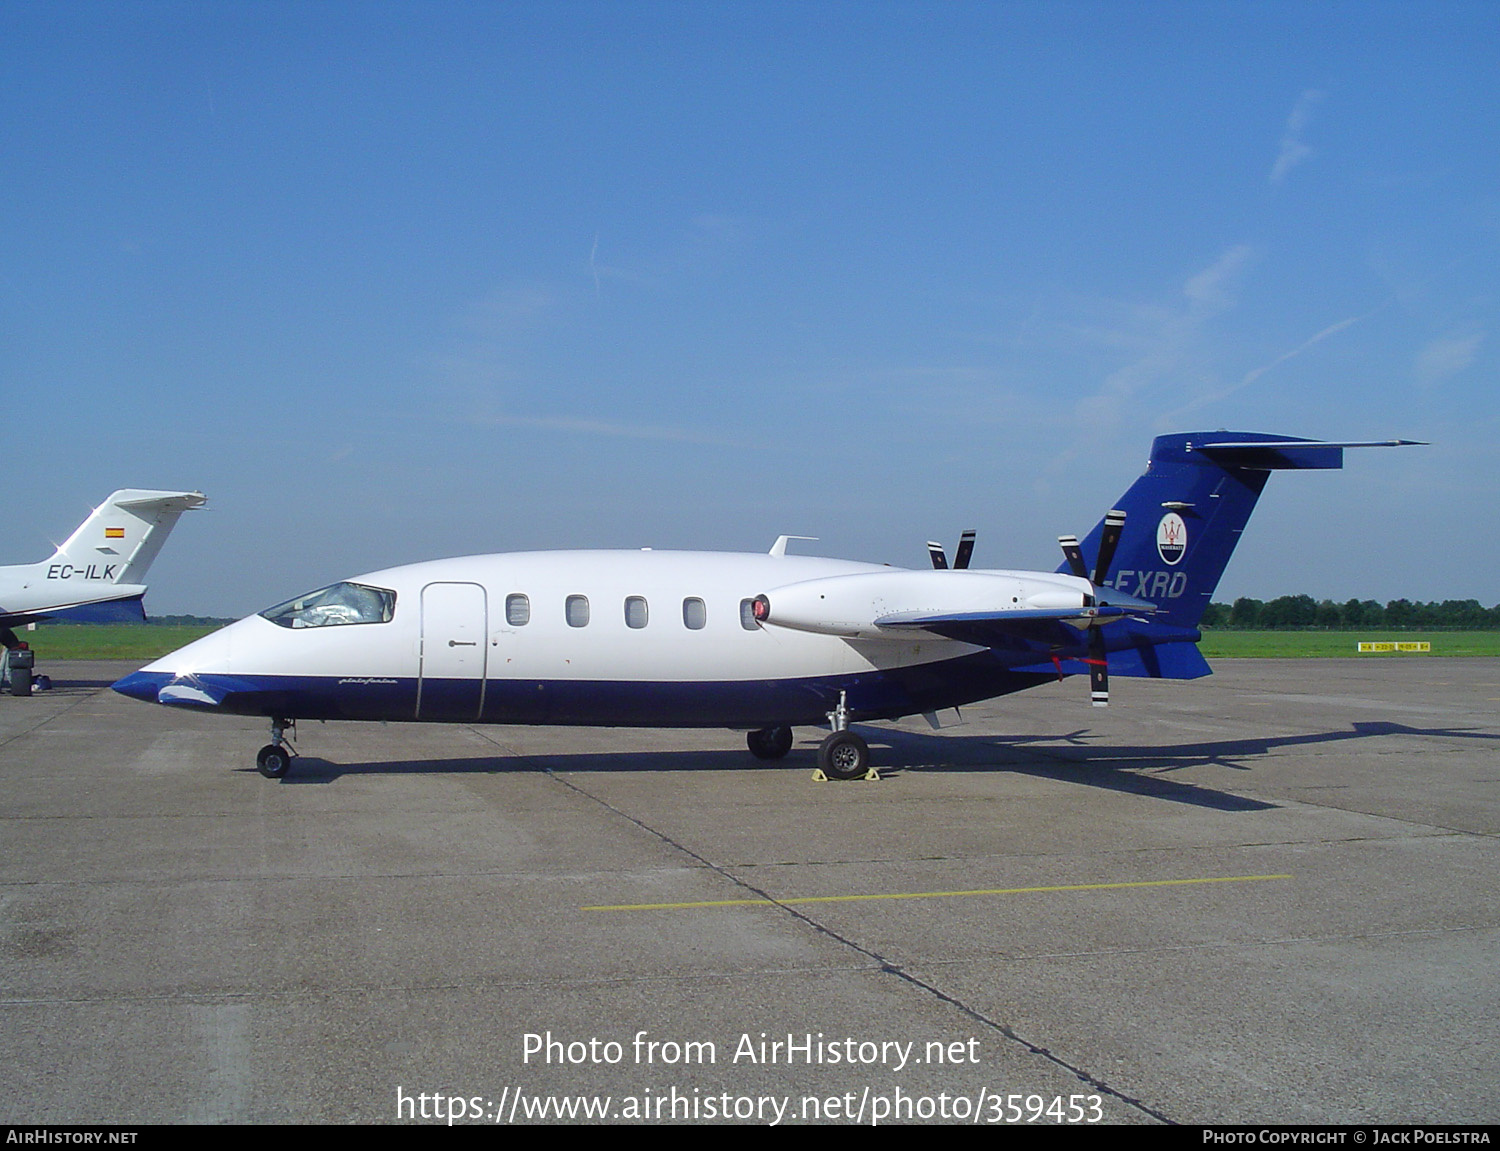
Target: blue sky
[(390, 282)]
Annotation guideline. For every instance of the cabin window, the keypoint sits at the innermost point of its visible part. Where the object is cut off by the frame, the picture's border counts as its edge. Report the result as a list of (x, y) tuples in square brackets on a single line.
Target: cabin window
[(636, 611), (578, 611), (334, 606), (747, 615), (694, 613), (517, 610)]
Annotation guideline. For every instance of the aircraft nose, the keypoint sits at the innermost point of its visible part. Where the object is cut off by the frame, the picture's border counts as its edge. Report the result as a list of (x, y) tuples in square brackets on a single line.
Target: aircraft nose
[(207, 690), (142, 685), (175, 678)]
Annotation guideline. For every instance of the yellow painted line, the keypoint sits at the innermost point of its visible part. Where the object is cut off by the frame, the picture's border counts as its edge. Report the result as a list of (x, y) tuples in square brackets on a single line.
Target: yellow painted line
[(935, 894)]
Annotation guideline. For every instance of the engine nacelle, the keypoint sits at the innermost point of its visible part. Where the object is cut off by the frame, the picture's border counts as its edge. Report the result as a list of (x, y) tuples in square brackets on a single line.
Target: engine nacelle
[(853, 605)]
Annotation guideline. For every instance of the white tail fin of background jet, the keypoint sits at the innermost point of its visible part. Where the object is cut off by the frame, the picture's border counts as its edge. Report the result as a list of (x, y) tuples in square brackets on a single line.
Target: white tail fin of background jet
[(125, 532), (97, 574)]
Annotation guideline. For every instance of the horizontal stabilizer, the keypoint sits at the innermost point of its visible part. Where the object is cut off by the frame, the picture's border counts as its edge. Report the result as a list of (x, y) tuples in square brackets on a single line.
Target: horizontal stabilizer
[(1276, 455)]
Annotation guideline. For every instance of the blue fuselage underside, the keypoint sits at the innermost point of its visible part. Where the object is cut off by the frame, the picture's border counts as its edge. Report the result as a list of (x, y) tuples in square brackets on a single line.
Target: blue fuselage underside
[(885, 694)]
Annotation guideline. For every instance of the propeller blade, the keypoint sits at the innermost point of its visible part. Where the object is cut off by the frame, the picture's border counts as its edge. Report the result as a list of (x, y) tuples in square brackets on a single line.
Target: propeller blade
[(939, 560), (1098, 662), (1114, 524), (1074, 555), (1109, 541), (965, 550)]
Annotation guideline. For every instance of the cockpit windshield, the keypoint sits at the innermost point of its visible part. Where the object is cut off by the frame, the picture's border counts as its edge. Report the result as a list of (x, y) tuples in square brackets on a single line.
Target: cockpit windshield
[(333, 606)]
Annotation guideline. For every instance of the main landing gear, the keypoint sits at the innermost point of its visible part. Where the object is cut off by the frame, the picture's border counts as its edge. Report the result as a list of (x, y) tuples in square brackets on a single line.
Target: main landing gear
[(843, 754), (275, 759), (770, 742)]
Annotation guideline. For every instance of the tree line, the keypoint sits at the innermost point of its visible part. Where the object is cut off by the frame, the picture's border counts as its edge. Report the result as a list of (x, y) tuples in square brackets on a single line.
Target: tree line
[(1302, 611)]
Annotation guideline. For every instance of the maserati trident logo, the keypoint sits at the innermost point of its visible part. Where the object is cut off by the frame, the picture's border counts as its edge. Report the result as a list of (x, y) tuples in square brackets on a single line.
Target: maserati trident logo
[(1171, 538)]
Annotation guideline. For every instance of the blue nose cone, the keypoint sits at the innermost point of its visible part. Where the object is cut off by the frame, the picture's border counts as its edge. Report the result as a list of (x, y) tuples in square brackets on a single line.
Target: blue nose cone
[(143, 685), (207, 691)]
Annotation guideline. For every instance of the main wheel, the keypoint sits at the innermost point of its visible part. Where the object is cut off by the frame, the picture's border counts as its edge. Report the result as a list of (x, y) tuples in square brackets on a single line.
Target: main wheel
[(273, 761), (770, 742), (844, 755)]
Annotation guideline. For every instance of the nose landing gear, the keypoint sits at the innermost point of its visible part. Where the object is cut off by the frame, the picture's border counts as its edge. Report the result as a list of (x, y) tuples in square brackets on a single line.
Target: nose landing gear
[(275, 759)]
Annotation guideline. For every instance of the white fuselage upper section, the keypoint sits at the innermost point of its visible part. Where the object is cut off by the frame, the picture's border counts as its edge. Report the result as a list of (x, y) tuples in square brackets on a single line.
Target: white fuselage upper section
[(646, 616)]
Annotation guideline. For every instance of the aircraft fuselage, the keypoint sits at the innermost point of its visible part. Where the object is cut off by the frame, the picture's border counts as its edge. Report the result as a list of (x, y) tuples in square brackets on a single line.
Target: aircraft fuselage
[(609, 638)]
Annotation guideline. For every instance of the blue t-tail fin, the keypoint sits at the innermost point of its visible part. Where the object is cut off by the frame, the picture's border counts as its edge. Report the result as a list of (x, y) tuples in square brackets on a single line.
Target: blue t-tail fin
[(1185, 514)]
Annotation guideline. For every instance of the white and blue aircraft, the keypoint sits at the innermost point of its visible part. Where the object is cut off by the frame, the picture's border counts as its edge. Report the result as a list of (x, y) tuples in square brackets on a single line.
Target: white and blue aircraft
[(96, 575), (759, 643)]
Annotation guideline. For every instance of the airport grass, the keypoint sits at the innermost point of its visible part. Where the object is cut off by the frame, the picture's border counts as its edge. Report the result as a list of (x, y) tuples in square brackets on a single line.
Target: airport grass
[(150, 641), (108, 641), (1220, 644)]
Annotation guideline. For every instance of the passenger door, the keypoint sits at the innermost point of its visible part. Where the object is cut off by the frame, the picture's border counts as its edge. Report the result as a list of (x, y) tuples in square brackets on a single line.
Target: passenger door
[(450, 684)]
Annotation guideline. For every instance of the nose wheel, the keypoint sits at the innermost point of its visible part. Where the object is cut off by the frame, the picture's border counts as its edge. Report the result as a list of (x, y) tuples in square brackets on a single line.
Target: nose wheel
[(275, 759)]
